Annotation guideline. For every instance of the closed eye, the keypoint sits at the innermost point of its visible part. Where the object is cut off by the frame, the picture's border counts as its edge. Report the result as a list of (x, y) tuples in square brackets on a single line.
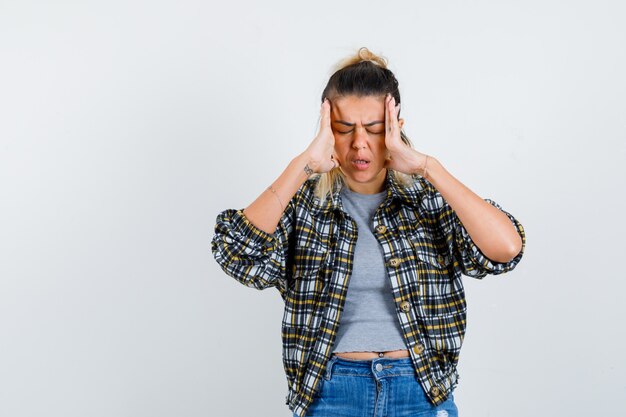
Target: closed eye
[(368, 131)]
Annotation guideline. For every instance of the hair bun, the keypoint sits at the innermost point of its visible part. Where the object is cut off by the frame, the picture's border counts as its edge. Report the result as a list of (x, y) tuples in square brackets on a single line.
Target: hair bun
[(365, 54), (362, 55)]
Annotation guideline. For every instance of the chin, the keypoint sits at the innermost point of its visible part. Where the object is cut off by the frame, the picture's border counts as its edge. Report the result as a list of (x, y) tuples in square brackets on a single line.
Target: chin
[(363, 177)]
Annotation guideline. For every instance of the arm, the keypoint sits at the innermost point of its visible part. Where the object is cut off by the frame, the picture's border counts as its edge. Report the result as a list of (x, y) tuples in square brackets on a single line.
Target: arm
[(251, 245), (266, 210), (496, 234), (490, 228)]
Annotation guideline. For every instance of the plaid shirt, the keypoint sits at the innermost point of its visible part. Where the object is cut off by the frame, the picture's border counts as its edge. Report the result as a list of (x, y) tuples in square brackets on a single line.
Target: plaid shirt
[(309, 260)]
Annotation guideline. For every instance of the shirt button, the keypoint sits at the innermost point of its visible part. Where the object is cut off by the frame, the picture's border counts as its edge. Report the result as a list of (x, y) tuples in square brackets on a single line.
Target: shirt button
[(379, 367), (441, 260), (381, 228), (405, 306), (419, 348), (434, 391), (394, 262)]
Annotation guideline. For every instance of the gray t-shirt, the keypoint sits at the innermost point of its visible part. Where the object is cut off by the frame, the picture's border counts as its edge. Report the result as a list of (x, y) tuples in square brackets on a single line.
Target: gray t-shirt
[(368, 321)]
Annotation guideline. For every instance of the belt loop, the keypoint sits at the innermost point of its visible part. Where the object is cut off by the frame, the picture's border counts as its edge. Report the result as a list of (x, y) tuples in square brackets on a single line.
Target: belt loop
[(329, 367)]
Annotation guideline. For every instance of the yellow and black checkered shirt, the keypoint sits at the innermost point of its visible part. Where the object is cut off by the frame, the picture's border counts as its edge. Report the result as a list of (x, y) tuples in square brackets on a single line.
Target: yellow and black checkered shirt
[(309, 260)]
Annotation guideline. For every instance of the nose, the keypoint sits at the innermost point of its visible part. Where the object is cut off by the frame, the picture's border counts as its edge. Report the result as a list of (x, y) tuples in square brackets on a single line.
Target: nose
[(360, 137)]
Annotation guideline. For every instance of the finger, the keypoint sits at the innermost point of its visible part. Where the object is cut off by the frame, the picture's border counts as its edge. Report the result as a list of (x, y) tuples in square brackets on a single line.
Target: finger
[(394, 112), (390, 115), (325, 113), (332, 161), (387, 113)]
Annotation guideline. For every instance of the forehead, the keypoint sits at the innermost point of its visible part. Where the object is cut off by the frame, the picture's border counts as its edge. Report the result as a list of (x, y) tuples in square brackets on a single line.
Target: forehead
[(354, 108)]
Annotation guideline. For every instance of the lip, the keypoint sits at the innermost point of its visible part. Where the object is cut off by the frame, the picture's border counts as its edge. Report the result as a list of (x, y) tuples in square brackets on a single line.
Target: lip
[(360, 164)]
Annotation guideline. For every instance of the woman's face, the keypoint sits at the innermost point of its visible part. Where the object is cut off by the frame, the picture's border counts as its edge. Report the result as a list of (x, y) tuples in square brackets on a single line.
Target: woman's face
[(358, 124)]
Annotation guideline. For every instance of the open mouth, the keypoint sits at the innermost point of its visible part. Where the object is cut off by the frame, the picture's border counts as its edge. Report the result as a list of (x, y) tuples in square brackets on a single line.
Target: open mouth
[(360, 163)]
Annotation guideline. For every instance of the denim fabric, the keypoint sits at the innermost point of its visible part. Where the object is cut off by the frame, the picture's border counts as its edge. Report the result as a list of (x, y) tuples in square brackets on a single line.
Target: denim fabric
[(381, 387)]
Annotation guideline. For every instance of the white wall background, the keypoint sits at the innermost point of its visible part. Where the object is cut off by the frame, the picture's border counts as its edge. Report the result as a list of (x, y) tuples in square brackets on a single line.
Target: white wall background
[(126, 126)]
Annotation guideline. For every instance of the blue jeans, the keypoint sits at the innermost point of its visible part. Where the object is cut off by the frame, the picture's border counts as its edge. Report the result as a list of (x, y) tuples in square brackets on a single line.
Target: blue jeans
[(374, 388)]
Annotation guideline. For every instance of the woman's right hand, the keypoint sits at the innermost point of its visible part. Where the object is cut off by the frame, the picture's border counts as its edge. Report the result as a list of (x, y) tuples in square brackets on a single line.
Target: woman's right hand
[(266, 211), (320, 153)]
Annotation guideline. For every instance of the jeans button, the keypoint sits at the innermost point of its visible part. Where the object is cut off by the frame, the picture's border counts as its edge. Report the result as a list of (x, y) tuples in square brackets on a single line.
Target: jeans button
[(379, 367)]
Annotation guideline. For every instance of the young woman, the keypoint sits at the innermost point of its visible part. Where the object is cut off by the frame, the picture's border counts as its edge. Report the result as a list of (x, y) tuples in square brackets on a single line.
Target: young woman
[(366, 239)]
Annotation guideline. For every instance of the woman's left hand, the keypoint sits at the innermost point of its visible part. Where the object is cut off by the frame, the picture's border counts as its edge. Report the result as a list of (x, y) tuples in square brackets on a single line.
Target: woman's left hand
[(401, 157)]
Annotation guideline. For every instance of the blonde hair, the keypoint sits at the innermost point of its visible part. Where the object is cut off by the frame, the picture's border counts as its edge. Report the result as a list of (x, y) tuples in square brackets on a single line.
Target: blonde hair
[(361, 74), (363, 54)]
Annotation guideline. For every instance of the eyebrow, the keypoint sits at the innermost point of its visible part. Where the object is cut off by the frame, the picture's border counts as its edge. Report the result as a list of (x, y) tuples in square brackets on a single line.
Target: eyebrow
[(352, 124)]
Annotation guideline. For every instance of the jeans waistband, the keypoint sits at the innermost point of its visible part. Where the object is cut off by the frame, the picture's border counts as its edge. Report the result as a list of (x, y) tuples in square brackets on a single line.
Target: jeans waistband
[(377, 367)]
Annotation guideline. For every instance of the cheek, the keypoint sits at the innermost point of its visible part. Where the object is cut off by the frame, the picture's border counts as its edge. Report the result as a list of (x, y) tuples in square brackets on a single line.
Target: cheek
[(340, 149), (381, 151)]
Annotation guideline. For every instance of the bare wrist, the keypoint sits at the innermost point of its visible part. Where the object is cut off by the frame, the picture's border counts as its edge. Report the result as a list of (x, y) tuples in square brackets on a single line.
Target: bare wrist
[(435, 170), (421, 166), (425, 165), (306, 164)]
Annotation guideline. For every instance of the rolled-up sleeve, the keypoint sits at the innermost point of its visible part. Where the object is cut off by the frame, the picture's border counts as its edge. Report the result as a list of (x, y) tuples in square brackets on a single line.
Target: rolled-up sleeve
[(468, 256), (253, 257)]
